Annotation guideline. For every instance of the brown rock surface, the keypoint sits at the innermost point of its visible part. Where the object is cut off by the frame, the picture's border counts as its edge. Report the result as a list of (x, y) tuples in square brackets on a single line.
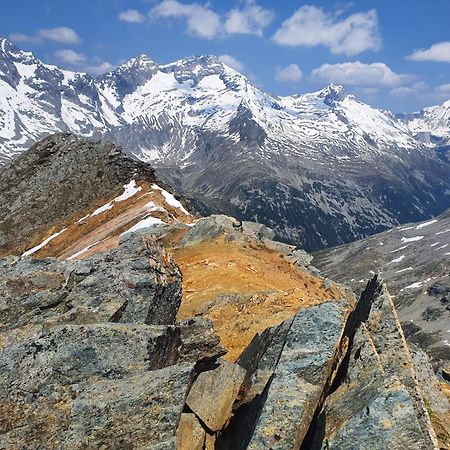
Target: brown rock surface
[(213, 393)]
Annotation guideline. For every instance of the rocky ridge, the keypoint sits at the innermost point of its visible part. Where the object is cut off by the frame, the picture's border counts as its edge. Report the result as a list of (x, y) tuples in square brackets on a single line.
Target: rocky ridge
[(93, 358), (75, 195), (241, 345)]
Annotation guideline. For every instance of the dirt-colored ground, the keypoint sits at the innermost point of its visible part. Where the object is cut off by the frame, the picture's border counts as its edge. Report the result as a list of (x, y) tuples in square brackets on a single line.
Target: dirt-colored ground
[(101, 232), (277, 289)]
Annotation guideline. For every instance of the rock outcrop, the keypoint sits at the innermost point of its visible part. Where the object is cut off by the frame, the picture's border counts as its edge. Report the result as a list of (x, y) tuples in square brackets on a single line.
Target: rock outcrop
[(92, 357), (78, 194), (379, 403), (90, 353)]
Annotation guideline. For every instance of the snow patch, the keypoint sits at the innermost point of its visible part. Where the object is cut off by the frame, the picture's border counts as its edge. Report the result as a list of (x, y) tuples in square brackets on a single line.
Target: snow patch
[(425, 224), (84, 250), (411, 239), (170, 199), (144, 223), (396, 260), (43, 243)]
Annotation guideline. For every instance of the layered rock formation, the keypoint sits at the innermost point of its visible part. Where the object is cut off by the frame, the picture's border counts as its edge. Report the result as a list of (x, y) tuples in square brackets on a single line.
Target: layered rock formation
[(92, 357), (241, 345)]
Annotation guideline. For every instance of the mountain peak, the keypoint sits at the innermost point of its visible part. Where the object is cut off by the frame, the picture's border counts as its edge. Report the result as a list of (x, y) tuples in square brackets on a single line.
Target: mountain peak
[(10, 50), (332, 93), (141, 61)]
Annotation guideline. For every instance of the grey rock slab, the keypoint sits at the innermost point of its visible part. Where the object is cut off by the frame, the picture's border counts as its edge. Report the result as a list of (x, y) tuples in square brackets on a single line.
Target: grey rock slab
[(139, 412), (305, 366), (138, 282), (200, 343), (213, 393), (69, 354), (213, 226), (378, 403)]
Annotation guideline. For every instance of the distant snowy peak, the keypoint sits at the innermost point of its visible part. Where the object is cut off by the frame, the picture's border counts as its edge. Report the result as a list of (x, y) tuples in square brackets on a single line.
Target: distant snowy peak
[(431, 125)]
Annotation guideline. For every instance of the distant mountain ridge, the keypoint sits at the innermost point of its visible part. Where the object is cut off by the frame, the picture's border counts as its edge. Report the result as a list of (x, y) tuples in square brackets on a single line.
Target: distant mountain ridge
[(296, 163)]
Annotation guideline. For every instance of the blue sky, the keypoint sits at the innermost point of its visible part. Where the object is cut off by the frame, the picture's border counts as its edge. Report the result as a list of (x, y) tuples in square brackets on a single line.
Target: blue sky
[(393, 54)]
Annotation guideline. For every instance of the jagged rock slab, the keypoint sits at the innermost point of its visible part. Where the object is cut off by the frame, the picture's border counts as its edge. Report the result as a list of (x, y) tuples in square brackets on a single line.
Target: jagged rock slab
[(414, 262), (140, 411), (379, 403), (304, 368), (190, 434), (213, 393), (200, 342), (136, 282)]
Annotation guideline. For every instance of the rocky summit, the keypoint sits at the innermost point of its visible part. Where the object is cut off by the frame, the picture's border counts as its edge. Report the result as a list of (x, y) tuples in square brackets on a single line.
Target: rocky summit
[(128, 322)]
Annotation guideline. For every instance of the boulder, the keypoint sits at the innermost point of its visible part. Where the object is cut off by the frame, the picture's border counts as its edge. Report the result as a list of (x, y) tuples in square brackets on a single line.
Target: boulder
[(304, 369), (200, 343), (213, 393), (190, 434), (138, 282)]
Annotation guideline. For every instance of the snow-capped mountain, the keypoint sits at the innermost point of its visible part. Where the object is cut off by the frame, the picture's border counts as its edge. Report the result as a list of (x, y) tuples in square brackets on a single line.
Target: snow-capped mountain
[(296, 163), (430, 125)]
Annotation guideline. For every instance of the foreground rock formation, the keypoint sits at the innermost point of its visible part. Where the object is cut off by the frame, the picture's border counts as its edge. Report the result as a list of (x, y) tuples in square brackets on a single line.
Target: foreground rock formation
[(91, 357)]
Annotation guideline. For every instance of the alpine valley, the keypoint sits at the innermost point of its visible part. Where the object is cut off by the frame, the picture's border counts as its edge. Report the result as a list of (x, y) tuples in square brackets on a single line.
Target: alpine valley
[(295, 163)]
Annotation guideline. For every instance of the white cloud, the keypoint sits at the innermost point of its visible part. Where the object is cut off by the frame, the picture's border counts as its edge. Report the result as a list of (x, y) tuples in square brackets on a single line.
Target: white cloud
[(359, 74), (288, 74), (443, 88), (21, 37), (310, 26), (439, 52), (64, 35), (403, 91), (251, 19), (131, 16), (94, 66), (98, 68), (232, 62), (200, 20), (70, 56)]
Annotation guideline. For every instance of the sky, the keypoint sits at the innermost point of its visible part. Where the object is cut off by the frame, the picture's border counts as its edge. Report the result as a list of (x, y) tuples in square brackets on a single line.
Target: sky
[(392, 54)]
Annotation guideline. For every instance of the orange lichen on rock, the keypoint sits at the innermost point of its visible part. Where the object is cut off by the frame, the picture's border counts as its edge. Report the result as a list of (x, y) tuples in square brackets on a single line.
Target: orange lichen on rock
[(244, 289)]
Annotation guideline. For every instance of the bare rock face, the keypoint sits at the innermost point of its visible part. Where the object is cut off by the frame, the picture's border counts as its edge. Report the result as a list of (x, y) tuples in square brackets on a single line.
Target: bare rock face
[(213, 393), (136, 282), (80, 171), (90, 353), (379, 403), (190, 434), (304, 367)]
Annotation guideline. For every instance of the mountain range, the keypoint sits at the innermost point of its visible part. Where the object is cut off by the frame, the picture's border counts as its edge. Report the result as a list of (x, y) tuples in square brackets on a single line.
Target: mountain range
[(295, 163)]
